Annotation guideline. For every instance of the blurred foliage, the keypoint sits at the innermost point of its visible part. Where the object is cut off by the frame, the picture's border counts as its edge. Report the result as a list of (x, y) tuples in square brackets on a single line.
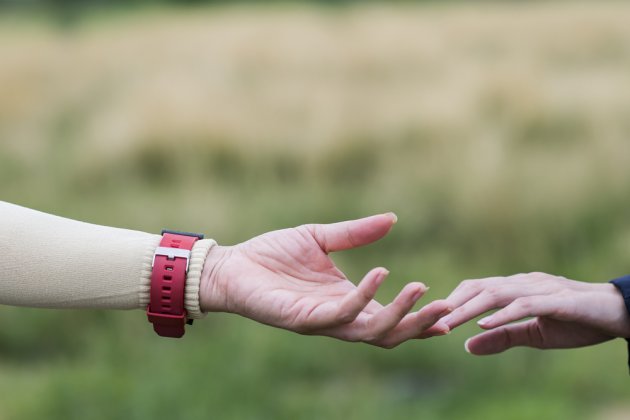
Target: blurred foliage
[(498, 133)]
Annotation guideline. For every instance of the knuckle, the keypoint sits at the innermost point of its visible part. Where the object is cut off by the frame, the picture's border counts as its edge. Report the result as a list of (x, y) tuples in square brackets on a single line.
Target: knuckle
[(492, 292), (373, 338), (346, 317), (565, 311), (383, 344), (351, 239), (458, 312), (524, 304), (389, 345), (308, 229), (488, 298), (313, 229), (368, 339), (470, 285), (365, 295), (564, 285)]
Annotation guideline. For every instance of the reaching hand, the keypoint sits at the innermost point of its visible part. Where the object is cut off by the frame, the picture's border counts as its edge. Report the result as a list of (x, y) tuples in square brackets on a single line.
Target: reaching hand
[(566, 313), (286, 279)]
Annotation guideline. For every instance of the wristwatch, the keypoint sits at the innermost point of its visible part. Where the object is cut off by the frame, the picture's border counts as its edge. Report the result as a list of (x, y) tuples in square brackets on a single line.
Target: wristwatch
[(168, 283)]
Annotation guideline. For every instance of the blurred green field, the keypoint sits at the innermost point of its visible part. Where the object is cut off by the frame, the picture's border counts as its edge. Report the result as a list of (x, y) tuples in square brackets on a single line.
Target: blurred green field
[(498, 132)]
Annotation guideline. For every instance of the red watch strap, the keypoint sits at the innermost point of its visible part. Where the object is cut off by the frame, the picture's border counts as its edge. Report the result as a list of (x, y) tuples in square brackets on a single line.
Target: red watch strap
[(168, 281)]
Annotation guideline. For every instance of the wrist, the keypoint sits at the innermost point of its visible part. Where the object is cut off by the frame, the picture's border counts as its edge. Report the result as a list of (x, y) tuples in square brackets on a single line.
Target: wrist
[(213, 288), (620, 318)]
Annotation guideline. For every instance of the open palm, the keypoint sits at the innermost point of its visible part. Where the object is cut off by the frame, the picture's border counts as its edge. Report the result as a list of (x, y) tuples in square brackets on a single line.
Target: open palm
[(286, 279)]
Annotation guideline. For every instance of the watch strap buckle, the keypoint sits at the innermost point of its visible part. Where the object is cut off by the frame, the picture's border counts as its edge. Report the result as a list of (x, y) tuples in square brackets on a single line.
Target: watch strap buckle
[(172, 253)]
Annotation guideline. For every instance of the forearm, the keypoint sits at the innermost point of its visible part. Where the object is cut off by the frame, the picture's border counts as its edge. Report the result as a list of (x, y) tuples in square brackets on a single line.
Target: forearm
[(53, 262)]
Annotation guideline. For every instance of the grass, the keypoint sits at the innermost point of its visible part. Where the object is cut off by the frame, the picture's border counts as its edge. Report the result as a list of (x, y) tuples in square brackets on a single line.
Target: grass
[(497, 132)]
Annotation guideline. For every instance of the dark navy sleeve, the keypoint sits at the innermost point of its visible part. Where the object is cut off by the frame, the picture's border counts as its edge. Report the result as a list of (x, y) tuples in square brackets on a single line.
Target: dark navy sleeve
[(623, 284)]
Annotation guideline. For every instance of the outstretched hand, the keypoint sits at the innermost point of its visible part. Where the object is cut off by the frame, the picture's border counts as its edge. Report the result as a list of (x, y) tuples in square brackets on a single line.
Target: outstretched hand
[(286, 279), (564, 313)]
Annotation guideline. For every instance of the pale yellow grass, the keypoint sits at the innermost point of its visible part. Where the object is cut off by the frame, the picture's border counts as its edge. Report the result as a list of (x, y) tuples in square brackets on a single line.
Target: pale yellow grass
[(310, 77), (526, 103)]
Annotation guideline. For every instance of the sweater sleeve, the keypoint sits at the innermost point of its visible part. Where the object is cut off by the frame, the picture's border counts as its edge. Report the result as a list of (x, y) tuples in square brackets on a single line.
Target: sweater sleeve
[(52, 262), (623, 285)]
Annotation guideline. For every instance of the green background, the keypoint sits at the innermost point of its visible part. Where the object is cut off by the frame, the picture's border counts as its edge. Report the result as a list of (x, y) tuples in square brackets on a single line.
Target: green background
[(498, 132)]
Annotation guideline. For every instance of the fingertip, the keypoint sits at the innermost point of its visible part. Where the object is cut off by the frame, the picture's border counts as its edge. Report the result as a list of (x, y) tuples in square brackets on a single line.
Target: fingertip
[(467, 346), (370, 284), (383, 270), (421, 285), (485, 344), (416, 289), (375, 276), (485, 323), (442, 329), (392, 216), (381, 274), (440, 305), (417, 295), (351, 234)]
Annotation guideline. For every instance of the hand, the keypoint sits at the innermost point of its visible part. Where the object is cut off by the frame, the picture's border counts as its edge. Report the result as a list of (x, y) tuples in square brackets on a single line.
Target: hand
[(286, 279), (566, 313)]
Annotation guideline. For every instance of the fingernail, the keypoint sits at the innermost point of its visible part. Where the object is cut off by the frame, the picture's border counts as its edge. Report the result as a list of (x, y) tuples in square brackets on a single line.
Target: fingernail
[(393, 216), (484, 321), (466, 346), (446, 319)]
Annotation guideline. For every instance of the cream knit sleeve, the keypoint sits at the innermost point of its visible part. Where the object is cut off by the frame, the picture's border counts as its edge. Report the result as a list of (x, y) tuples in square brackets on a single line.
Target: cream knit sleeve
[(53, 262)]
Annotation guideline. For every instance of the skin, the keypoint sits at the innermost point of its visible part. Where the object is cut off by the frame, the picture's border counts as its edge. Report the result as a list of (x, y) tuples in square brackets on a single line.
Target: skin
[(564, 313), (286, 279)]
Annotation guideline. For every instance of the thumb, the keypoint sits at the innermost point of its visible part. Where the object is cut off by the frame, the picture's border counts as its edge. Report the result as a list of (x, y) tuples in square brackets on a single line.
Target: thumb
[(353, 233), (503, 338)]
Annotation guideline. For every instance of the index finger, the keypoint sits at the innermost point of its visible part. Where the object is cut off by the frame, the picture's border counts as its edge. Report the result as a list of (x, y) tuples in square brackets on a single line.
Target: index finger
[(468, 289)]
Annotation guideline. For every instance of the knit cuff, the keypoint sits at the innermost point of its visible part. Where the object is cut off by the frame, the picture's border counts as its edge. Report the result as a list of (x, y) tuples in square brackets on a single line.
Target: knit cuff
[(623, 285), (197, 259), (193, 279), (144, 289)]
